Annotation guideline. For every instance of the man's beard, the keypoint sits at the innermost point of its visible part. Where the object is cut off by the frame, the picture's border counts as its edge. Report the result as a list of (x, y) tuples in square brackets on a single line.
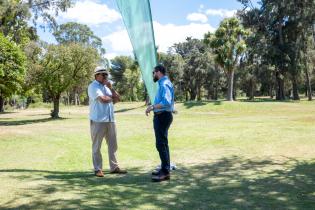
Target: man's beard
[(155, 79)]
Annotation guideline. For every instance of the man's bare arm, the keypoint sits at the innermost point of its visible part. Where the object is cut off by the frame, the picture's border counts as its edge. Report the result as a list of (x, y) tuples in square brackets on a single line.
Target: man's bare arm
[(115, 95), (105, 99)]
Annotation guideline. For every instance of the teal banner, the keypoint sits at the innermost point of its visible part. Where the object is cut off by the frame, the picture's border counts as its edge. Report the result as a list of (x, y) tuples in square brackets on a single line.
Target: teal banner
[(137, 18)]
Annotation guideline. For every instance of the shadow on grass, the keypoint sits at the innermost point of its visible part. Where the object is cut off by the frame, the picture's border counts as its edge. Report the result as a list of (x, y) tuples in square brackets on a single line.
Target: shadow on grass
[(5, 118), (229, 183), (266, 100), (128, 109), (25, 122), (1, 113), (46, 114), (190, 104)]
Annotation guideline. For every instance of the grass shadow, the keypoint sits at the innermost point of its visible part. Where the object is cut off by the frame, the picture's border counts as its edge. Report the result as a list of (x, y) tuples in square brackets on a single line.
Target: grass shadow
[(25, 122), (2, 113), (228, 183), (266, 100), (4, 118), (217, 102), (47, 114), (128, 109), (190, 104)]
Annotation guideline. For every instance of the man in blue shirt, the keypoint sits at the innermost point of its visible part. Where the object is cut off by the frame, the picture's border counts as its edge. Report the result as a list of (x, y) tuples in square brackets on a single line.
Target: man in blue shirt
[(163, 107), (102, 121)]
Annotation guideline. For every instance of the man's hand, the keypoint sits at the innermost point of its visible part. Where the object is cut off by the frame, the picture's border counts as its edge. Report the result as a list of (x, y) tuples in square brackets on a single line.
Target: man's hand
[(149, 109), (108, 84), (115, 95)]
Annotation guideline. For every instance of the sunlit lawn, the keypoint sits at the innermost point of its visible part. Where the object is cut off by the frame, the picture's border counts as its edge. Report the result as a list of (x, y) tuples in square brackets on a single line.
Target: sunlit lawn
[(239, 155)]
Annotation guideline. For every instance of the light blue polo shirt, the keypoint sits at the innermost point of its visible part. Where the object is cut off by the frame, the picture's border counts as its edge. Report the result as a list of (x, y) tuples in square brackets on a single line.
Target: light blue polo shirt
[(99, 111)]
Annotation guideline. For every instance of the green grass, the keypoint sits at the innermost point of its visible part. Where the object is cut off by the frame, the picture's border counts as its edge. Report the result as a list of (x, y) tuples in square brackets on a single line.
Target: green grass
[(230, 155)]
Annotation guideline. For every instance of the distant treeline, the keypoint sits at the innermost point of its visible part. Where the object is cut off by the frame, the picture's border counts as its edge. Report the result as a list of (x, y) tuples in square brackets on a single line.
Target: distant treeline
[(265, 51)]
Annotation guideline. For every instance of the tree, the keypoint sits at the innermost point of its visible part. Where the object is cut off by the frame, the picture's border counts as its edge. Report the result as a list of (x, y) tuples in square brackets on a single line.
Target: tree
[(72, 32), (78, 33), (228, 44), (126, 75), (174, 64), (132, 76), (15, 14), (12, 69), (285, 25), (214, 79), (30, 86), (13, 21), (196, 65), (47, 10), (64, 66)]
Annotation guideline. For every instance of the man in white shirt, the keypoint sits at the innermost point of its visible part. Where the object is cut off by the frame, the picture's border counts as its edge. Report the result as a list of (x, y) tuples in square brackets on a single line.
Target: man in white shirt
[(102, 121)]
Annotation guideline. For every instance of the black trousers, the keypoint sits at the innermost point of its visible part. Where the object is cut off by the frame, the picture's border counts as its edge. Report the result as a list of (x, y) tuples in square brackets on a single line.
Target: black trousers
[(161, 123)]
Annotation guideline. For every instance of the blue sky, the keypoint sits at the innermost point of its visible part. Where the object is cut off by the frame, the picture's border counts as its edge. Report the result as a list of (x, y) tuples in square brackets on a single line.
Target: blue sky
[(174, 20)]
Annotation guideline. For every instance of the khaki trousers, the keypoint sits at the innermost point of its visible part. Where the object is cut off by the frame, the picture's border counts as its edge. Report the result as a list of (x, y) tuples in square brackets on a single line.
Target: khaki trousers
[(99, 130)]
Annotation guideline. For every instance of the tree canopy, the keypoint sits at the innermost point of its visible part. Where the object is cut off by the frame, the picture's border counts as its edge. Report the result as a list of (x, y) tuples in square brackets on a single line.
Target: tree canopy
[(78, 33), (12, 69), (64, 66), (229, 45)]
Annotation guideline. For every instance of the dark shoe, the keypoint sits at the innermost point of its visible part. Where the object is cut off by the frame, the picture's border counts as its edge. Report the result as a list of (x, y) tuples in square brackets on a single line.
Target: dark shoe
[(118, 171), (161, 177), (99, 173)]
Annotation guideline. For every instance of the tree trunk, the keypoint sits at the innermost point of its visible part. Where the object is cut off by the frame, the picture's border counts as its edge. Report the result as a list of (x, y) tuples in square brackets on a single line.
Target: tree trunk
[(251, 89), (271, 91), (295, 89), (29, 100), (199, 94), (1, 104), (280, 87), (76, 99), (209, 92), (309, 86), (230, 85), (55, 112), (68, 98), (216, 89), (279, 77), (215, 94), (308, 82), (192, 94)]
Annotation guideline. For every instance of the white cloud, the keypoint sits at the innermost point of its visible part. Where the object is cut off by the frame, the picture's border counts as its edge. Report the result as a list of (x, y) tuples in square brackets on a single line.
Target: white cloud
[(165, 36), (197, 17), (91, 13), (119, 41), (221, 12), (110, 55)]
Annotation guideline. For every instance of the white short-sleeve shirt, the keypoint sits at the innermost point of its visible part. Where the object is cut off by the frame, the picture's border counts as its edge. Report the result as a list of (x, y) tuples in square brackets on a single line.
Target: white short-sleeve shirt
[(99, 111)]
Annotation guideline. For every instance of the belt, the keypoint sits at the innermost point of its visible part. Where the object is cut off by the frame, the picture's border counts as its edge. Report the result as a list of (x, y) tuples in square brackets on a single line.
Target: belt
[(158, 113)]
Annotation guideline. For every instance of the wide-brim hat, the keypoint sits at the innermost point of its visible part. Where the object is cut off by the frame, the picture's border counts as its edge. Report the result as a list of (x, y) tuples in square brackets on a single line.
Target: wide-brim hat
[(100, 70)]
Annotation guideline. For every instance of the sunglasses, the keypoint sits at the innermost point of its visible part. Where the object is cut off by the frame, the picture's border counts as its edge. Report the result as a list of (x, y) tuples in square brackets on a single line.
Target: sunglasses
[(103, 74)]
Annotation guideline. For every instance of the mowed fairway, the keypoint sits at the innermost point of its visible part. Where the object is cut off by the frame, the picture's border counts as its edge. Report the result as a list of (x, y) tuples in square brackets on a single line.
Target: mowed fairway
[(230, 155)]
